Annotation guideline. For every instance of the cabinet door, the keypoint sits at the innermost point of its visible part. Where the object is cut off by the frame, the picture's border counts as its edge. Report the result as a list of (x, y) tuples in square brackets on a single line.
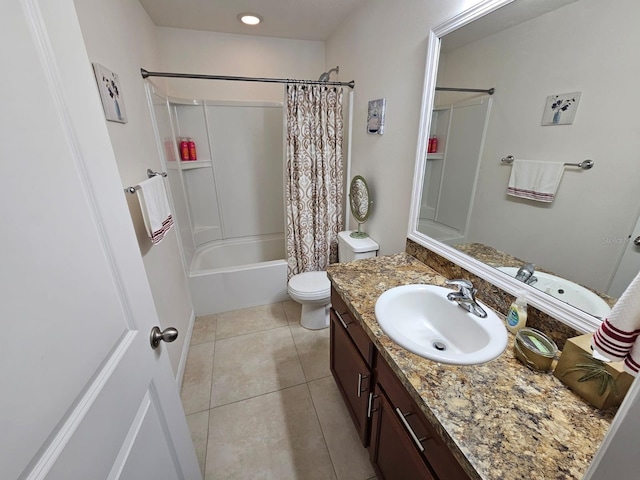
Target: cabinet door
[(352, 375), (354, 329), (434, 451), (392, 452)]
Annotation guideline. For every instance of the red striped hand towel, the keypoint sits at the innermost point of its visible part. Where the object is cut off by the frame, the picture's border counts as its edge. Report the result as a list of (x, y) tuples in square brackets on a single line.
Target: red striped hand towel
[(617, 336), (535, 180), (155, 208)]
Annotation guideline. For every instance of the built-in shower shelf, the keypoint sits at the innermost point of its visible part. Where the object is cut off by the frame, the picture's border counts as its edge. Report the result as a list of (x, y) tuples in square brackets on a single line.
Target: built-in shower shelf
[(189, 165), (435, 156)]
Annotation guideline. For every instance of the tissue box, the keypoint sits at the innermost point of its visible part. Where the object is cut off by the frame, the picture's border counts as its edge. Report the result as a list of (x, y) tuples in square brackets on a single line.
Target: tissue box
[(577, 351)]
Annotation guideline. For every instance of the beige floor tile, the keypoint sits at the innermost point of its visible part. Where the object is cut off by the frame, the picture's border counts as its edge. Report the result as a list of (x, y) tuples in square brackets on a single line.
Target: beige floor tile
[(248, 320), (199, 428), (350, 459), (313, 350), (254, 364), (274, 436), (196, 384), (204, 329), (293, 310)]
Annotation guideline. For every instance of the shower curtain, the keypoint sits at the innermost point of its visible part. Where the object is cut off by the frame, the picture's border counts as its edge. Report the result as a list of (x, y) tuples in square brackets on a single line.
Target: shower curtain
[(313, 190)]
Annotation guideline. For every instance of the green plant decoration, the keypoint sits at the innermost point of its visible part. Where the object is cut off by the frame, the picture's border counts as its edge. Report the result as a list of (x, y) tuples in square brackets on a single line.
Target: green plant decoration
[(595, 370)]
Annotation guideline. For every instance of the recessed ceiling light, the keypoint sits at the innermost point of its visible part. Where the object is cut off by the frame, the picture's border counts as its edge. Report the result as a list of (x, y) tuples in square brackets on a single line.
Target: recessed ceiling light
[(249, 18)]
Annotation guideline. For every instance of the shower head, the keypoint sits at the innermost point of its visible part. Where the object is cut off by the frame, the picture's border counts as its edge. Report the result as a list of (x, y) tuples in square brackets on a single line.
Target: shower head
[(325, 76)]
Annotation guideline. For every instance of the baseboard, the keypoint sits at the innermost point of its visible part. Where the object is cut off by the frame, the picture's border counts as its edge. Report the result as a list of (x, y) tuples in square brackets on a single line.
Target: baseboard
[(185, 350)]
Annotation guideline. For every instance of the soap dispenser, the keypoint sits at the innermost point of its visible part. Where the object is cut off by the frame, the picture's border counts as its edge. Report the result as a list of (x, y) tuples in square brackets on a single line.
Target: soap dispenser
[(517, 316)]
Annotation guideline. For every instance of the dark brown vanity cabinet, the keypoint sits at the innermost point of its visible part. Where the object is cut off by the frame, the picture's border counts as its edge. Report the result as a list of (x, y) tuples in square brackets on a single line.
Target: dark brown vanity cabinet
[(391, 451), (402, 443), (402, 439), (351, 361)]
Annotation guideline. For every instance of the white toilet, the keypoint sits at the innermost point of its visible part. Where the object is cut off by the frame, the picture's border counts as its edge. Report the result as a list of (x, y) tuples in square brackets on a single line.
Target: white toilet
[(313, 289)]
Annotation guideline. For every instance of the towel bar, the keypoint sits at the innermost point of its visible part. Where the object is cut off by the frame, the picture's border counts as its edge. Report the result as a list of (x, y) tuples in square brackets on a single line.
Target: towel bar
[(150, 173), (585, 165)]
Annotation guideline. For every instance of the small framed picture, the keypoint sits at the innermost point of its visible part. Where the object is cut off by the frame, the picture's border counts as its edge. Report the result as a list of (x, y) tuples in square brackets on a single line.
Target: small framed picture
[(110, 94), (375, 116), (561, 109)]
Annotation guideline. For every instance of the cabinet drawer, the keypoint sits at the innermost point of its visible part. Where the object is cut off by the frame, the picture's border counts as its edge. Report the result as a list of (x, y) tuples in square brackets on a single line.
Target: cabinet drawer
[(434, 450), (352, 327)]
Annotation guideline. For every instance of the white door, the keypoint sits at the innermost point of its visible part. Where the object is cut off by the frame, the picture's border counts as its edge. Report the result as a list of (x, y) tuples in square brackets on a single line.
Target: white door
[(629, 264), (82, 394)]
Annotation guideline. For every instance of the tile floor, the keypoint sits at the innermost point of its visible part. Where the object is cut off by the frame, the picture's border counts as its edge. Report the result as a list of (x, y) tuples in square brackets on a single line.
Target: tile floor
[(261, 402)]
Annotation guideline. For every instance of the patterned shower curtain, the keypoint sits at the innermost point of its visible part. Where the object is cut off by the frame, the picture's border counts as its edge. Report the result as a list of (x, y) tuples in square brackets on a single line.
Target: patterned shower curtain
[(313, 190)]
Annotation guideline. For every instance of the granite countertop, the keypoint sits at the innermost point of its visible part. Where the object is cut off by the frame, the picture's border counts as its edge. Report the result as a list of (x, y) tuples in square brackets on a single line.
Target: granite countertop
[(500, 419)]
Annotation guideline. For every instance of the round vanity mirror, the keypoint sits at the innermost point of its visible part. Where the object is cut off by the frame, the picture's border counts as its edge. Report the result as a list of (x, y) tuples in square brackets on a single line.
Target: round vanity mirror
[(360, 203)]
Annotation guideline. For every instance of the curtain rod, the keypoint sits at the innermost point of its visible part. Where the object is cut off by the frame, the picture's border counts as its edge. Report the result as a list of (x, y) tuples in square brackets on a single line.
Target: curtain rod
[(490, 91), (146, 74)]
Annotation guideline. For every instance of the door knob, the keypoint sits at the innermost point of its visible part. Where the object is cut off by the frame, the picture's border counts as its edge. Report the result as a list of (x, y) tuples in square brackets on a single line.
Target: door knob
[(167, 335), (636, 241)]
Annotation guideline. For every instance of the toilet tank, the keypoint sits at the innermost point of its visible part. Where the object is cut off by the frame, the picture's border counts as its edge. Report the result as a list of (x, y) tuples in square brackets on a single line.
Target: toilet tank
[(350, 248)]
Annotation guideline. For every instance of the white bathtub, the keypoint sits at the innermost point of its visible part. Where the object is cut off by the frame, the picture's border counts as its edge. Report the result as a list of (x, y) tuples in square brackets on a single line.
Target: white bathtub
[(228, 275)]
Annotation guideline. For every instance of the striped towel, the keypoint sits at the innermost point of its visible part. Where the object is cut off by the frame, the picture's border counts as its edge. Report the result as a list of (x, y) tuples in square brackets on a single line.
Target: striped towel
[(535, 180), (617, 336), (155, 208)]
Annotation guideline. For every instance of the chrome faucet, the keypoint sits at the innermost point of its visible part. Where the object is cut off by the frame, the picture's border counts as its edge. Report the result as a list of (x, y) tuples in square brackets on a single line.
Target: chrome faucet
[(525, 274), (465, 297)]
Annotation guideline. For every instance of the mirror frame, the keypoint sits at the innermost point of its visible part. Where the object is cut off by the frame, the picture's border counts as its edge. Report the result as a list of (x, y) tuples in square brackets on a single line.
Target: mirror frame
[(562, 311)]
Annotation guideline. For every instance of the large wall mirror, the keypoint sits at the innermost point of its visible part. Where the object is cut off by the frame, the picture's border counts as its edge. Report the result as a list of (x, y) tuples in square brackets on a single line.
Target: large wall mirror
[(529, 50)]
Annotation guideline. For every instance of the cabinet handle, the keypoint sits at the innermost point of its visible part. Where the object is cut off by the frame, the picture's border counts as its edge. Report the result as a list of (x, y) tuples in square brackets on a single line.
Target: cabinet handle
[(415, 438), (341, 320), (360, 378), (372, 397)]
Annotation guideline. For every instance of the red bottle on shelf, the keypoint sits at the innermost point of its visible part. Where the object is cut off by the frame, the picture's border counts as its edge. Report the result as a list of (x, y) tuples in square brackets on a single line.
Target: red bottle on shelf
[(430, 148), (434, 144), (192, 150), (184, 149)]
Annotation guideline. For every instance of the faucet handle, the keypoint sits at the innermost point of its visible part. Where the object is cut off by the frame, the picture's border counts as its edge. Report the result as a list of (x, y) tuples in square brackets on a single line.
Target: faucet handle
[(460, 282)]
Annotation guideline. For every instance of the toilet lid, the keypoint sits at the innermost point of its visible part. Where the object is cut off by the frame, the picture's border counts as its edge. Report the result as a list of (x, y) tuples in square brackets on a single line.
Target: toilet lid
[(312, 285)]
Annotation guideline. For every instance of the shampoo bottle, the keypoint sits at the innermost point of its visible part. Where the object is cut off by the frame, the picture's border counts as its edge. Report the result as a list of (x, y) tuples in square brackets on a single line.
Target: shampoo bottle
[(517, 316)]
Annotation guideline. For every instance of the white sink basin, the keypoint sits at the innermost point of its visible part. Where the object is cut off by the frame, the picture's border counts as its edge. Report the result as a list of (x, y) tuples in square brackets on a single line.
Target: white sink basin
[(421, 319), (567, 291)]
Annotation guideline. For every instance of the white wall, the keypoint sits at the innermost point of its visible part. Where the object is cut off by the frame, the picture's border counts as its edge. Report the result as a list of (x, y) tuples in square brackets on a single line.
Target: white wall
[(119, 35), (525, 65), (383, 47), (192, 51)]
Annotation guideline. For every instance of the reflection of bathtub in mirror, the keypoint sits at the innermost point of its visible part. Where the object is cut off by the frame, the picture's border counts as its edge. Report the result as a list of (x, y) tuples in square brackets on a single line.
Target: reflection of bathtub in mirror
[(588, 300)]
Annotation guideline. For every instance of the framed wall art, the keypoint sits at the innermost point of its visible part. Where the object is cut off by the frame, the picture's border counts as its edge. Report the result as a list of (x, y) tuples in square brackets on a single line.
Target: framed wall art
[(561, 109), (110, 94), (375, 116)]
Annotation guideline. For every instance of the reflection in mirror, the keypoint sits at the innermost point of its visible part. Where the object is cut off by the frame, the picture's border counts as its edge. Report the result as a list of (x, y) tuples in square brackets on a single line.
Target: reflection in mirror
[(360, 202), (529, 51)]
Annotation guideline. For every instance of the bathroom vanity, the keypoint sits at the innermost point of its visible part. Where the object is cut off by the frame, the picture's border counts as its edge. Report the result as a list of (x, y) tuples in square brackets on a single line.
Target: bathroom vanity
[(422, 419)]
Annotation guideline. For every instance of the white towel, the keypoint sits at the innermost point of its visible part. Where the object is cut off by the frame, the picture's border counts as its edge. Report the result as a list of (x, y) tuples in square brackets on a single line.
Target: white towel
[(617, 336), (155, 208), (535, 180)]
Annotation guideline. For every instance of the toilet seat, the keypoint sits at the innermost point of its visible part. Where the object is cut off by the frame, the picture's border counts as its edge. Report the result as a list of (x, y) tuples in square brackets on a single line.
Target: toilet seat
[(310, 286)]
